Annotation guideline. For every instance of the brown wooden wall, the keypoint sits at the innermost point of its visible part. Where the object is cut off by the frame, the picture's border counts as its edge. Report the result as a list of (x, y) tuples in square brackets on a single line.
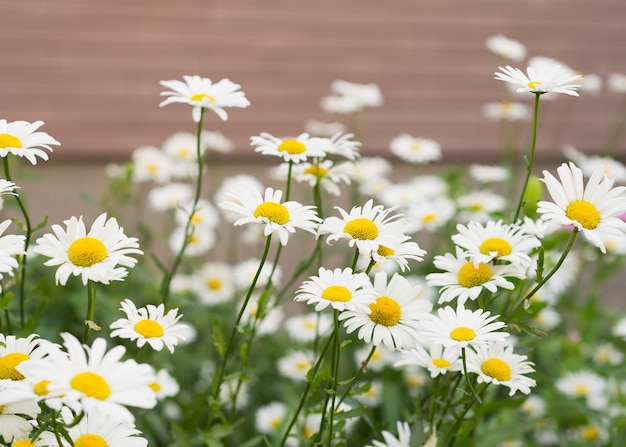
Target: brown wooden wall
[(91, 69)]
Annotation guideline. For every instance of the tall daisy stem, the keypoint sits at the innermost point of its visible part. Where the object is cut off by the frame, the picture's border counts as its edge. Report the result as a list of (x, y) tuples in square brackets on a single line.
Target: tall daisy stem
[(531, 159), (29, 230), (91, 310)]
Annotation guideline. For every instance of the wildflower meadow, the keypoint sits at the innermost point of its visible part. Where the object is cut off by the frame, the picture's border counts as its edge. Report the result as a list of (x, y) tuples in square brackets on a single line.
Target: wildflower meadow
[(328, 298)]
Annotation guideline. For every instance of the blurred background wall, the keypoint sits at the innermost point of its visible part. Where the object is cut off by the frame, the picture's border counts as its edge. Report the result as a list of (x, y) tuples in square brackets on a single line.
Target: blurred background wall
[(91, 69)]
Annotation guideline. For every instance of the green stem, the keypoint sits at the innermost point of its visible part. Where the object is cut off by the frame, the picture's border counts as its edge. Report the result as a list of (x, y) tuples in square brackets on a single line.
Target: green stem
[(529, 168), (20, 204), (469, 403), (189, 228), (91, 310), (358, 374), (334, 379)]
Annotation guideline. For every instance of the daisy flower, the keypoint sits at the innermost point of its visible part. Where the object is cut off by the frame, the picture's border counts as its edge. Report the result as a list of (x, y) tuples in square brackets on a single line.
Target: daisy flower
[(21, 138), (202, 93), (270, 417), (489, 174), (498, 364), (496, 241), (617, 82), (295, 150), (213, 283), (415, 150), (205, 216), (18, 407), (11, 245), (506, 110), (480, 205), (7, 187), (394, 318), (15, 350), (306, 328), (339, 105), (295, 365), (245, 271), (506, 47), (151, 164), (372, 396), (592, 208), (199, 241), (235, 183), (340, 289), (429, 214), (149, 325), (216, 142), (169, 197), (267, 210), (399, 253), (368, 227), (434, 357), (86, 378), (463, 279), (462, 327), (328, 174), (93, 255), (368, 168), (587, 385), (164, 385), (341, 144), (365, 95), (403, 439), (323, 129), (541, 79)]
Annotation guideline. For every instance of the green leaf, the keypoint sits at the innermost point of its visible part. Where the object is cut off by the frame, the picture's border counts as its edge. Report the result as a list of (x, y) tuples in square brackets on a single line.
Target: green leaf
[(6, 299), (218, 337)]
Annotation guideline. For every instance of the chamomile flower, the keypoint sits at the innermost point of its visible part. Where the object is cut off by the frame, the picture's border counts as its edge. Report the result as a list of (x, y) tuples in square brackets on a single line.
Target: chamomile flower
[(305, 328), (343, 145), (368, 168), (339, 105), (497, 364), (587, 385), (367, 227), (534, 406), (507, 48), (213, 283), (235, 183), (394, 318), (540, 79), (489, 174), (480, 205), (168, 197), (365, 95), (328, 174), (216, 142), (18, 407), (15, 350), (429, 214), (496, 241), (269, 418), (164, 385), (463, 279), (415, 149), (94, 255), (403, 439), (204, 216), (433, 357), (295, 365), (21, 138), (7, 187), (149, 325), (245, 271), (181, 150), (590, 163), (295, 150), (592, 209), (282, 218), (399, 253), (339, 289), (151, 164), (199, 240), (90, 377), (506, 110), (11, 245), (202, 93), (323, 129), (463, 327)]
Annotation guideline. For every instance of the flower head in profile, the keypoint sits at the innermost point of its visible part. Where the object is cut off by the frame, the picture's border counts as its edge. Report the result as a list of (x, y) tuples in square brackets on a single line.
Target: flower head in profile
[(434, 357), (21, 138), (282, 218), (290, 149), (363, 95), (203, 93), (498, 364), (403, 439), (592, 209), (394, 318), (150, 325), (508, 48), (541, 79), (94, 255), (328, 174), (415, 150), (11, 245)]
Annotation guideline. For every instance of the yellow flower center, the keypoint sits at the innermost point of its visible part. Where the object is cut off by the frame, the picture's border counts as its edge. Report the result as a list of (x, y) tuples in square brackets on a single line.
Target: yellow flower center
[(499, 245), (214, 284), (361, 228), (91, 384), (415, 146), (583, 212), (7, 140), (591, 433), (8, 364), (152, 168), (302, 365), (385, 311), (496, 368), (196, 218), (41, 388), (155, 387), (462, 333), (23, 443), (533, 85), (428, 218), (272, 211), (441, 363), (476, 206), (337, 293), (90, 440), (86, 251), (317, 171), (149, 328), (580, 390), (470, 276), (292, 147), (385, 251), (201, 97)]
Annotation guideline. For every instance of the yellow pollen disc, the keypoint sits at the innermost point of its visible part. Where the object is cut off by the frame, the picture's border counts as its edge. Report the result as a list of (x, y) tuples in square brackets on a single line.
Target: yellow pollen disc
[(201, 97), (152, 168), (428, 218), (580, 390), (272, 211), (23, 443), (506, 106), (415, 147), (292, 147), (361, 228), (462, 334), (385, 251), (275, 423), (155, 387), (499, 245), (7, 140), (337, 293), (476, 206), (302, 365), (1, 408), (496, 368), (441, 363), (310, 325), (214, 284), (183, 152), (317, 171), (385, 311), (86, 251), (583, 212), (196, 218), (8, 364), (149, 328), (533, 85), (591, 433), (41, 387), (470, 276), (91, 384), (90, 440)]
